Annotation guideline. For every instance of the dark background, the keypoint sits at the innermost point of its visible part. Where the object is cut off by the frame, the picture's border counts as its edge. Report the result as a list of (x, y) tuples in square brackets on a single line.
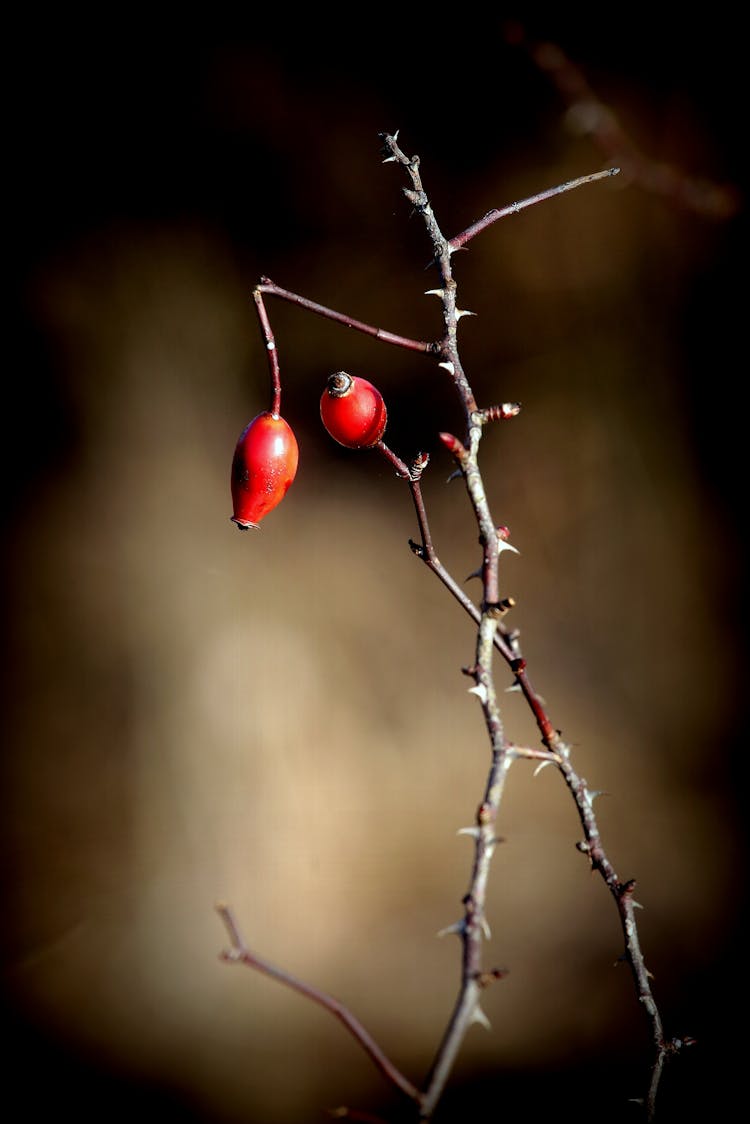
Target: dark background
[(281, 721)]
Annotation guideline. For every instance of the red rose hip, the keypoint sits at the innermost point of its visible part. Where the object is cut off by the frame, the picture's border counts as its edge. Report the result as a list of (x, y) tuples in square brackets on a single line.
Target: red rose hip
[(353, 411), (264, 465)]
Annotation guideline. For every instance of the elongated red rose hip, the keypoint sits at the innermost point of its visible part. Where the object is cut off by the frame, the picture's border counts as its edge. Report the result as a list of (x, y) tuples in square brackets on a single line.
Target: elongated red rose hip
[(264, 465), (353, 411)]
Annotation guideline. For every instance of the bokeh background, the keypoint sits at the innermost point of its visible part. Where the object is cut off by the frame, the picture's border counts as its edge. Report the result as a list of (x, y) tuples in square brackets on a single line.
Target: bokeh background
[(278, 719)]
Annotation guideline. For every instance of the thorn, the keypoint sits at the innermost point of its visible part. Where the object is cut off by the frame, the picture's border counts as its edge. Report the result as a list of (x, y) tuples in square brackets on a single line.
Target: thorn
[(635, 904), (455, 475), (474, 574), (458, 927), (448, 366), (463, 312), (480, 691), (503, 545), (478, 1016), (515, 687), (473, 831), (486, 929), (434, 293), (590, 795), (540, 766), (390, 160)]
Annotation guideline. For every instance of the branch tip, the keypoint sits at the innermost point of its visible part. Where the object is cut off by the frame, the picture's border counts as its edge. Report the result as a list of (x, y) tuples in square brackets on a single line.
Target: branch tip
[(452, 444)]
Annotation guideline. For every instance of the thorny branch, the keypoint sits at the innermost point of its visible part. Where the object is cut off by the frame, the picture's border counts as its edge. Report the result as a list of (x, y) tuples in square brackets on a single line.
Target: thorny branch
[(492, 635)]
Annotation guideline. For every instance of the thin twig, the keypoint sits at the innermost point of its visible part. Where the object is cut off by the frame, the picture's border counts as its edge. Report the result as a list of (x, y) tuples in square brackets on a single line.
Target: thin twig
[(266, 285), (273, 358), (240, 953), (513, 208)]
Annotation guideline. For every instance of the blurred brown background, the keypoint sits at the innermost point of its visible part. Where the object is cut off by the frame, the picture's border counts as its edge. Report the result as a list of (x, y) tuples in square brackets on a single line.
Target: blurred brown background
[(279, 719)]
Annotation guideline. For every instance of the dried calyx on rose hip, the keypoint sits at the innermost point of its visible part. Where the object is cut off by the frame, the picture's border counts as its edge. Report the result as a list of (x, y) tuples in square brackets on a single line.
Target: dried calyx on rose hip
[(353, 411), (264, 465)]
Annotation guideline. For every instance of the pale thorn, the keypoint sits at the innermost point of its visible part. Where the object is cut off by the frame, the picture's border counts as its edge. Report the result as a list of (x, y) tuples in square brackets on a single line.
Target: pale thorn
[(513, 687), (540, 766), (473, 831), (448, 365), (463, 312), (478, 1016), (503, 545), (590, 795), (434, 292), (390, 160), (635, 904), (480, 691), (458, 927), (486, 929)]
